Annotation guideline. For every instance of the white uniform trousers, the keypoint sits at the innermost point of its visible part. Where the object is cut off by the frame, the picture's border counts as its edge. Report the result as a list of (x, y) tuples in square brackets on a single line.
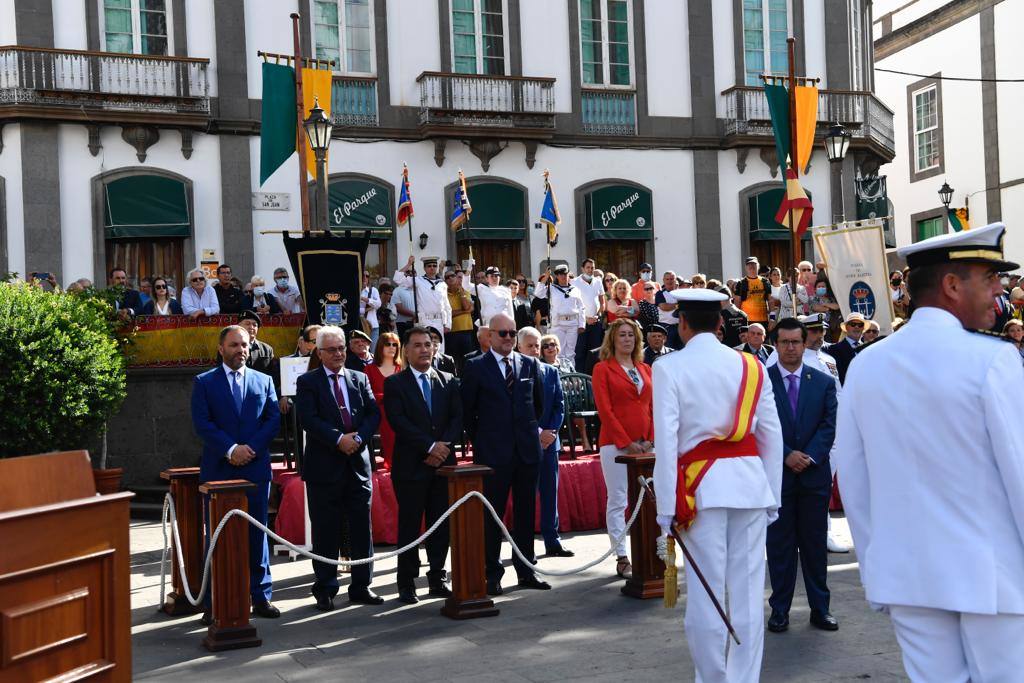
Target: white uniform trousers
[(728, 546), (617, 482), (566, 340), (940, 646)]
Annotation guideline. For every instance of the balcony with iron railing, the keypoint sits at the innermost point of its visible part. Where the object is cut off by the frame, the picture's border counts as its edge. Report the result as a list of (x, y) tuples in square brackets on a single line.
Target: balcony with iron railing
[(869, 121), (608, 112), (479, 105), (354, 102), (102, 86)]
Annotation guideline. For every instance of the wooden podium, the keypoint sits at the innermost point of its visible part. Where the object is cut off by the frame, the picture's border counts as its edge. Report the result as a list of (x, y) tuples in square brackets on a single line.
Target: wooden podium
[(648, 580), (469, 573), (188, 506), (65, 603)]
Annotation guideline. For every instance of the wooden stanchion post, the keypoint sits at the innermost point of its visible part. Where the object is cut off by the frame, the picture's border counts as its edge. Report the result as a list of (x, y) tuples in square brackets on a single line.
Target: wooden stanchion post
[(229, 578), (469, 573), (184, 483), (648, 580)]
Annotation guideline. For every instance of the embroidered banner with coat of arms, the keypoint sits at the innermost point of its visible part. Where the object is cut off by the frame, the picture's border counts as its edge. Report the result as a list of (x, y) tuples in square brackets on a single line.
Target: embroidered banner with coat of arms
[(854, 255), (329, 272)]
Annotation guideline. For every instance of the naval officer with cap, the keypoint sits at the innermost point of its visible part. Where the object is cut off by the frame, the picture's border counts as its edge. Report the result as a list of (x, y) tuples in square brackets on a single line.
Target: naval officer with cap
[(933, 486), (431, 294), (718, 476), (567, 314)]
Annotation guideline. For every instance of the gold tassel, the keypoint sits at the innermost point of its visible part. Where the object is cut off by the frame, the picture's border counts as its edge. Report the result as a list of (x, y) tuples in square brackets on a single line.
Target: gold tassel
[(671, 580)]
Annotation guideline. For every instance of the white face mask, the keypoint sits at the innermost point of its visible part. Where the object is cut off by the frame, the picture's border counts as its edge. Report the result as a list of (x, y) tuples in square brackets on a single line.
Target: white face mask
[(645, 276), (282, 282), (258, 291), (587, 278)]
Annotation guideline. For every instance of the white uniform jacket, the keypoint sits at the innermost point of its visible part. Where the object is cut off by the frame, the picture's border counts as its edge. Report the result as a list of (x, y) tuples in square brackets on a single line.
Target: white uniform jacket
[(566, 305), (695, 392), (431, 300), (493, 300), (930, 455)]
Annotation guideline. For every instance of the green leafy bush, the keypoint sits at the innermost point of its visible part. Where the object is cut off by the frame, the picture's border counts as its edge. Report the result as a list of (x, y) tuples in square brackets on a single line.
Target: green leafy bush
[(64, 373)]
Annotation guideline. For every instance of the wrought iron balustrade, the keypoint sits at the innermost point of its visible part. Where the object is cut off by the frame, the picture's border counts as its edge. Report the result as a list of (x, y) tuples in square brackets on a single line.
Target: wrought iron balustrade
[(354, 101), (487, 101), (608, 112)]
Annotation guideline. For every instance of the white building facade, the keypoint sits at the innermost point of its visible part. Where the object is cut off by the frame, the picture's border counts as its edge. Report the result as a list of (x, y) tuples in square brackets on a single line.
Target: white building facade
[(129, 129), (952, 112)]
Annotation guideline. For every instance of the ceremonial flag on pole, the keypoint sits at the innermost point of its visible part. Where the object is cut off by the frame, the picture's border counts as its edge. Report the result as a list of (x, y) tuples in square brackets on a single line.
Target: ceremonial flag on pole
[(796, 199), (806, 122), (549, 212), (460, 206), (404, 198), (316, 88), (960, 219), (277, 125)]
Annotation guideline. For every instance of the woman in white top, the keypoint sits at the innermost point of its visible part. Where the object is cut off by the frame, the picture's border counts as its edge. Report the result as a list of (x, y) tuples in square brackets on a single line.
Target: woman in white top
[(161, 302), (786, 309)]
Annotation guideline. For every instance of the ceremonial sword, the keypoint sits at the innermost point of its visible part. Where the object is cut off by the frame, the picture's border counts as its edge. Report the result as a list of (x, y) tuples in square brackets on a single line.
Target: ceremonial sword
[(693, 565)]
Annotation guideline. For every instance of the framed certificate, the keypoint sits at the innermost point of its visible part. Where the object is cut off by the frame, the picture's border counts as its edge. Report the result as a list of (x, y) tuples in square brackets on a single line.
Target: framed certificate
[(291, 368)]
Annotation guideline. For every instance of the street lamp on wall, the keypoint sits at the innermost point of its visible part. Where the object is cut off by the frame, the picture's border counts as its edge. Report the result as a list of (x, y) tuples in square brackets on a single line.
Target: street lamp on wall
[(837, 142), (423, 240), (318, 131), (946, 196)]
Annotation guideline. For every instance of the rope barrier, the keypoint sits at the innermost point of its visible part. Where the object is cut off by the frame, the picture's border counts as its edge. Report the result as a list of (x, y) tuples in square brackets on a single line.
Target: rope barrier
[(169, 516)]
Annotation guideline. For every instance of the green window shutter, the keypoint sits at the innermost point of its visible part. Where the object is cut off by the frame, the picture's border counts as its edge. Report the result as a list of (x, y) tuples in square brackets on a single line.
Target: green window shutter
[(619, 212), (146, 206), (930, 227), (499, 212), (359, 204)]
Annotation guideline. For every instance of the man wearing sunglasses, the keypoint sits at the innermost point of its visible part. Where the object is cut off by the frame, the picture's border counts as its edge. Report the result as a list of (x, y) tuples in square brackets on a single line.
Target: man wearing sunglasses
[(844, 350), (197, 299)]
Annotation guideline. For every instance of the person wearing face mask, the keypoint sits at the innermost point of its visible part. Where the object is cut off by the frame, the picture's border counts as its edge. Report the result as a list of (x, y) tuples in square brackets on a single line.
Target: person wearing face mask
[(259, 299), (823, 301), (287, 294), (594, 302), (646, 275)]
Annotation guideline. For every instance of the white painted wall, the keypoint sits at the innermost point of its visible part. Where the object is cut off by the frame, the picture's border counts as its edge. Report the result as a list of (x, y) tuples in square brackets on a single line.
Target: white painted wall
[(905, 11), (413, 47), (668, 59), (268, 28), (202, 42), (814, 41), (545, 36), (8, 28), (10, 170), (725, 60), (70, 30), (1009, 16)]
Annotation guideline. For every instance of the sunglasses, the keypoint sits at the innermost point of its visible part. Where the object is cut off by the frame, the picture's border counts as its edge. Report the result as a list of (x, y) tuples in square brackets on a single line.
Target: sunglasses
[(805, 270), (648, 289), (549, 345), (854, 324), (494, 275), (309, 341), (504, 333), (395, 344), (199, 279), (159, 286)]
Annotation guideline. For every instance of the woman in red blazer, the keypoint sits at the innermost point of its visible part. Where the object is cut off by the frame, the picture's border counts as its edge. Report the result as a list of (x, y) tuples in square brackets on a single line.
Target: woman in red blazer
[(622, 391)]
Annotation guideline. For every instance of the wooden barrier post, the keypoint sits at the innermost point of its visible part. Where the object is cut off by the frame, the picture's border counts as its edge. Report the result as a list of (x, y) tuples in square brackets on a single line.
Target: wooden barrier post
[(469, 572), (188, 506), (229, 578), (648, 580)]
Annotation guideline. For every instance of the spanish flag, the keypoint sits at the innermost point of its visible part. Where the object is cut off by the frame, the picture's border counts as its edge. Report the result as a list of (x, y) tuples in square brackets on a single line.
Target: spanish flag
[(796, 199), (960, 219)]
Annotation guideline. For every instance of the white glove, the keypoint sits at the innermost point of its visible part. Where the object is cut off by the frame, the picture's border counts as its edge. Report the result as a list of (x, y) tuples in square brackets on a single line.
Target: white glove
[(665, 522), (663, 547)]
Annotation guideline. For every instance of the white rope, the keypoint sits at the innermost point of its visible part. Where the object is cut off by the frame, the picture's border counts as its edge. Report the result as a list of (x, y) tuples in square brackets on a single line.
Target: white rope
[(169, 516)]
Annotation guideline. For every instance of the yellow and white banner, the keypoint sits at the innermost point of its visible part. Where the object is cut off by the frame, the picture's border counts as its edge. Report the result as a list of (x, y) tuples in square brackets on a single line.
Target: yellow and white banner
[(854, 256)]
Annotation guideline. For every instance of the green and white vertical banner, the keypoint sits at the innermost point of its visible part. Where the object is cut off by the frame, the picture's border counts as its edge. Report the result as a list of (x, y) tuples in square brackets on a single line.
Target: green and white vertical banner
[(854, 256)]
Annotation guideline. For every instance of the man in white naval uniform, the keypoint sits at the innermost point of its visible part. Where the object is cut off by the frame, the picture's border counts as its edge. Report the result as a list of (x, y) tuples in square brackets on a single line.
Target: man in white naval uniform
[(567, 315), (932, 474), (592, 292), (494, 298), (696, 407), (431, 295)]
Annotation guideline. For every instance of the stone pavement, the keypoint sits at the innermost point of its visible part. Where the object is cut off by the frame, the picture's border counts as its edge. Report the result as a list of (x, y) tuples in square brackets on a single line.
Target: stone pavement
[(583, 629)]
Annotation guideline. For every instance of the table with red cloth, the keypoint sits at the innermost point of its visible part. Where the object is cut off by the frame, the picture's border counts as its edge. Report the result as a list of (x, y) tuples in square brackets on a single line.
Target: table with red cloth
[(581, 501)]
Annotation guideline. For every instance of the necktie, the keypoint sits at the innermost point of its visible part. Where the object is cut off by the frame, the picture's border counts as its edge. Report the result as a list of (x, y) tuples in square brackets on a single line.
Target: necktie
[(339, 396), (793, 391), (236, 390), (425, 385), (510, 378)]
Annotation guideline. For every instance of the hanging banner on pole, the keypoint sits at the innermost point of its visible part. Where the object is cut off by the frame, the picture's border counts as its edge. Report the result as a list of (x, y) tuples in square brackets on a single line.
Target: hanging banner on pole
[(854, 256), (329, 270)]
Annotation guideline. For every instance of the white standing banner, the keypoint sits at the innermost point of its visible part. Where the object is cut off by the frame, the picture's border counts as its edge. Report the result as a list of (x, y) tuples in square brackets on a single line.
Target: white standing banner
[(854, 256)]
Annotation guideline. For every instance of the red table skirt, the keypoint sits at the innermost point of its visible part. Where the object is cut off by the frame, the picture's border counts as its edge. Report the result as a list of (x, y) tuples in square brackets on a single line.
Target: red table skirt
[(581, 502)]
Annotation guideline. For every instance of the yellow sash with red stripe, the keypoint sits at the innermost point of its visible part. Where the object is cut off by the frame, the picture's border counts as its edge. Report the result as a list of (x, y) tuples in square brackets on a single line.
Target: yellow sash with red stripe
[(738, 443)]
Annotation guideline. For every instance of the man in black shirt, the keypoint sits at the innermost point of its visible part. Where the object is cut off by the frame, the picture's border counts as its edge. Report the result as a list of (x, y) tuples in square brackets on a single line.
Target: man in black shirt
[(732, 320), (229, 296)]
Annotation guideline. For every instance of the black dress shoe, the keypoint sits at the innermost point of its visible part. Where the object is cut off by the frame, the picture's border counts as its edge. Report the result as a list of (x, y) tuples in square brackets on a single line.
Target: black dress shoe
[(559, 552), (206, 619), (494, 588), (325, 603), (408, 596), (825, 621), (366, 597), (535, 584), (440, 589), (778, 621), (266, 610)]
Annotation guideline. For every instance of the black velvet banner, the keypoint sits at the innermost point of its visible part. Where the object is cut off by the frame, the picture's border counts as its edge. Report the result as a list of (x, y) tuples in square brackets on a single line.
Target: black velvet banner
[(329, 271)]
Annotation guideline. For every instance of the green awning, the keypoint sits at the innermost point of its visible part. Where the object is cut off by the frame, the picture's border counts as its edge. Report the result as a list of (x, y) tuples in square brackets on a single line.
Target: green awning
[(499, 212), (357, 204), (619, 212), (146, 206), (763, 208)]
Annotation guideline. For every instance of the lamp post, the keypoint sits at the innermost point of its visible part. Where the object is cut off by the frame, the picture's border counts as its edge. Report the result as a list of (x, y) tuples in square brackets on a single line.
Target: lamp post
[(318, 130), (837, 141), (946, 196)]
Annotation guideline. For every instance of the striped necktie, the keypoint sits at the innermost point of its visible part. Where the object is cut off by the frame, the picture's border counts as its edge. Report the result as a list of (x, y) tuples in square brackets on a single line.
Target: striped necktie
[(510, 376)]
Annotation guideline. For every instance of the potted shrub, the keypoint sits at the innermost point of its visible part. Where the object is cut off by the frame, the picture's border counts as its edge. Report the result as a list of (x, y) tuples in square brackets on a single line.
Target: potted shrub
[(65, 371)]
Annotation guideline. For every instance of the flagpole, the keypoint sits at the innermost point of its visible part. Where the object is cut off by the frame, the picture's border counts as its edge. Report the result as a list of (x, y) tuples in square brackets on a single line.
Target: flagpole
[(794, 240), (300, 128), (415, 296)]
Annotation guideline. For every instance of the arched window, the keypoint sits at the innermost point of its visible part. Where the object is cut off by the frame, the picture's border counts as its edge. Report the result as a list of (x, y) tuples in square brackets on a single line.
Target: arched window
[(615, 219), (497, 228)]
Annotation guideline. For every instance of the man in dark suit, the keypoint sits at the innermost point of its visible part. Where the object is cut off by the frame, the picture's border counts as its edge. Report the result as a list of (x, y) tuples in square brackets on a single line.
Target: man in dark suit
[(483, 339), (657, 346), (235, 413), (424, 409), (130, 303), (441, 361), (844, 350), (336, 408), (261, 355), (754, 344), (502, 397), (806, 403), (359, 354)]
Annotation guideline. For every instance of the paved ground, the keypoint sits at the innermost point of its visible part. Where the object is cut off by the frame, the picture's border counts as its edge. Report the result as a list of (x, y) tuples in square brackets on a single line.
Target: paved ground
[(583, 629)]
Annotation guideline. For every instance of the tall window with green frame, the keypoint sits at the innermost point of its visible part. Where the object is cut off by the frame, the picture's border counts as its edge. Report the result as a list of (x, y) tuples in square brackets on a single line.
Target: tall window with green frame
[(930, 227), (135, 26), (478, 37), (604, 42), (343, 34), (765, 29)]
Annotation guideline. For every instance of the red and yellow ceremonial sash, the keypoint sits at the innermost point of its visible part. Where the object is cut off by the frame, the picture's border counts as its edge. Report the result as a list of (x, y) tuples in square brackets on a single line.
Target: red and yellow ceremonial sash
[(738, 443)]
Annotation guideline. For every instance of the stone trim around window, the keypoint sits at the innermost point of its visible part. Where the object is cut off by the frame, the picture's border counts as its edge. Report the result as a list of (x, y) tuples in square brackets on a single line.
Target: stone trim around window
[(936, 80)]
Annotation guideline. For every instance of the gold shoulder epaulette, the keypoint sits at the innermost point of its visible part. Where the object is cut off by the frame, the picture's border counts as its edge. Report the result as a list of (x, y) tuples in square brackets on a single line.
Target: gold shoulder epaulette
[(989, 333)]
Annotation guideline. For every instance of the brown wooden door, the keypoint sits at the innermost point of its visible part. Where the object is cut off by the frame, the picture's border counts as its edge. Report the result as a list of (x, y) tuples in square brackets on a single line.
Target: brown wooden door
[(505, 254), (148, 257), (775, 253), (622, 257)]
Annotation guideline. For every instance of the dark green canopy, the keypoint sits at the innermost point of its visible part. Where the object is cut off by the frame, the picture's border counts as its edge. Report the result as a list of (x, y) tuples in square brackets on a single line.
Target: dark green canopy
[(146, 206)]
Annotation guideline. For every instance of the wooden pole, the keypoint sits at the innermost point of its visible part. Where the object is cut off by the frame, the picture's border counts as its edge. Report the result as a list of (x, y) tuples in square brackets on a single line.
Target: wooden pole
[(794, 242), (229, 572), (648, 580), (415, 296), (300, 132), (469, 571), (184, 486)]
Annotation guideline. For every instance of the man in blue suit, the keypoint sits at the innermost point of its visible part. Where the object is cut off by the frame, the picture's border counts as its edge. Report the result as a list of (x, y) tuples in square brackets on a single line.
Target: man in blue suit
[(502, 397), (551, 418), (336, 408), (235, 413), (806, 402)]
